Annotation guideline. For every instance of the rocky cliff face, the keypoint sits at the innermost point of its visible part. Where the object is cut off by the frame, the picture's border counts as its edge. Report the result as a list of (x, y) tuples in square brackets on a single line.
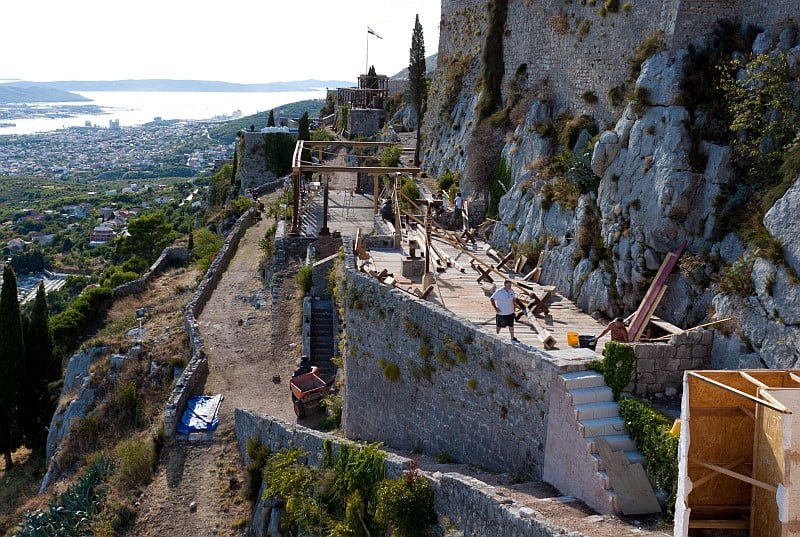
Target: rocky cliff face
[(608, 212)]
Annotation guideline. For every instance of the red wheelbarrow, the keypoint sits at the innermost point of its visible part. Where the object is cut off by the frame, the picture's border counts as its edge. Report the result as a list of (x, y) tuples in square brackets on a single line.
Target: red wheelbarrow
[(307, 390)]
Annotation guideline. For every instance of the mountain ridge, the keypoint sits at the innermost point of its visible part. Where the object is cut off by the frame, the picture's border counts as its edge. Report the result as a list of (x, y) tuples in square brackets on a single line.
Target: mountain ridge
[(164, 84)]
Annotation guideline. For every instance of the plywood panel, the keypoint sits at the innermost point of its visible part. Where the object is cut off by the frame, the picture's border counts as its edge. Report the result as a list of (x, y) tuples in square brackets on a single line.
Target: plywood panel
[(768, 467), (790, 455), (719, 441)]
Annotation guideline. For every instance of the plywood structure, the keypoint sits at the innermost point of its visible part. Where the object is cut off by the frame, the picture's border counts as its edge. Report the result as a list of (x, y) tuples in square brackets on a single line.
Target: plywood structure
[(739, 443)]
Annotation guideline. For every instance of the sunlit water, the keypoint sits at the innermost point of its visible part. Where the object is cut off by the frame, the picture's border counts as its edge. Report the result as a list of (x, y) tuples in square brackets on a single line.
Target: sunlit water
[(138, 107)]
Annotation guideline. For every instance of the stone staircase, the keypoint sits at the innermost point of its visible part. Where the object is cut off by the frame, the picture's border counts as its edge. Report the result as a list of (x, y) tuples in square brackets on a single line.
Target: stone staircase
[(322, 340), (583, 410)]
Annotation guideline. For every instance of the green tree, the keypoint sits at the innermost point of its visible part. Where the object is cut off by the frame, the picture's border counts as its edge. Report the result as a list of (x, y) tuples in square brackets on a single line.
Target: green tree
[(417, 86), (40, 368), (12, 348), (149, 234), (271, 119), (303, 132)]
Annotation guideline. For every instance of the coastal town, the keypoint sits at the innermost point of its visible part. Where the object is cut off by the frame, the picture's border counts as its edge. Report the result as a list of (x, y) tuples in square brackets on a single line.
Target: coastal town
[(157, 149)]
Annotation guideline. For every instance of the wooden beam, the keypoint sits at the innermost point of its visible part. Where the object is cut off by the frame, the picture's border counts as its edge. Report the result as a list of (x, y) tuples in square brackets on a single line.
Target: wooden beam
[(654, 294), (705, 325), (737, 475), (731, 524), (543, 333), (711, 475), (778, 407)]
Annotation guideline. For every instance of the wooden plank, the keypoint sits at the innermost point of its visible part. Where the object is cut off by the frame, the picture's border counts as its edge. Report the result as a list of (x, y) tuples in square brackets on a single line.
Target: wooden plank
[(737, 475), (778, 407), (519, 264), (732, 524), (635, 332), (653, 292), (711, 475), (543, 333), (629, 481)]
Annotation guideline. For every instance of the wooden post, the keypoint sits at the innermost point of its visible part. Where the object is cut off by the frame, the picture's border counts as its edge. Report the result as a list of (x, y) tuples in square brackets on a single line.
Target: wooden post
[(325, 231), (375, 194), (296, 203)]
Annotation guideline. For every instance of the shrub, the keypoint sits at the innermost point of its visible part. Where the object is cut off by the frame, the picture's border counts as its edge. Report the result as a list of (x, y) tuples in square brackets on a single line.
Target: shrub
[(589, 97), (568, 129), (68, 326), (448, 179), (617, 366), (493, 66), (612, 6), (736, 279), (305, 278), (333, 412), (258, 453), (390, 370), (560, 23), (405, 505), (409, 190), (390, 158), (500, 184), (652, 44), (616, 95), (206, 245), (136, 460), (650, 430)]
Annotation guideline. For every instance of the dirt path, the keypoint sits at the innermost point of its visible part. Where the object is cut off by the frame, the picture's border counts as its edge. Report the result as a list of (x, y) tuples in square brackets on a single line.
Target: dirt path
[(198, 488)]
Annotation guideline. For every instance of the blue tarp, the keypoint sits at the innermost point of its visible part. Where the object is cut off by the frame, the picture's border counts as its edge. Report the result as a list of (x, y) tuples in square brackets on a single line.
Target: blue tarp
[(202, 414)]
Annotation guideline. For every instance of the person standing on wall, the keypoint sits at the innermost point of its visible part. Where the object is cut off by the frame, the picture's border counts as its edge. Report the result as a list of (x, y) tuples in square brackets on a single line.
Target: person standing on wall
[(458, 203), (503, 303)]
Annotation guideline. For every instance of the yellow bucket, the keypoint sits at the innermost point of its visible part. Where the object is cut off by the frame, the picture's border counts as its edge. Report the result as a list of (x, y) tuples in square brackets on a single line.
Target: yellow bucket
[(572, 339)]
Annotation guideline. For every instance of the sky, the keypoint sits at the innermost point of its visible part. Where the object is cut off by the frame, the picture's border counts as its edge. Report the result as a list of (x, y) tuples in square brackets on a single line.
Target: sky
[(244, 41)]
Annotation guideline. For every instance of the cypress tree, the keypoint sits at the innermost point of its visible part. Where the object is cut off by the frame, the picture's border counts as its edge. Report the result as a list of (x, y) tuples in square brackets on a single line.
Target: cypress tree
[(417, 86), (271, 119), (304, 133), (39, 369), (11, 352)]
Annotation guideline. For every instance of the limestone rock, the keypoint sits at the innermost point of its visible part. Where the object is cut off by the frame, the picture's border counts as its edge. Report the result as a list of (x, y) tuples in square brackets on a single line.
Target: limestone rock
[(783, 222), (405, 119), (605, 151), (762, 43), (661, 74), (61, 424)]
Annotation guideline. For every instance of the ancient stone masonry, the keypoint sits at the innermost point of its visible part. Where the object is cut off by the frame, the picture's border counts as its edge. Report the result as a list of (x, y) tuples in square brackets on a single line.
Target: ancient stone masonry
[(463, 393), (660, 366), (170, 256), (472, 506)]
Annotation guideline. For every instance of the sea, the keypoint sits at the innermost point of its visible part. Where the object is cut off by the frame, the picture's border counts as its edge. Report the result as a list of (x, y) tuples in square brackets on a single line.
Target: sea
[(133, 108)]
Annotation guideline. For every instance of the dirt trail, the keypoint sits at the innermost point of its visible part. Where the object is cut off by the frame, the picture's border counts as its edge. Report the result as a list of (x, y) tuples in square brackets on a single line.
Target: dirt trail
[(235, 325)]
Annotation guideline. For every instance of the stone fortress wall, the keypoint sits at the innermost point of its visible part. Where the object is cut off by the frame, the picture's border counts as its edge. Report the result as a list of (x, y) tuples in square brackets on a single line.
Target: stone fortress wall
[(563, 50), (419, 378)]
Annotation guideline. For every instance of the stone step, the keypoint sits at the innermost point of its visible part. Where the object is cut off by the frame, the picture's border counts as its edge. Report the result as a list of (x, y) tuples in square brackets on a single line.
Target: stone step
[(583, 379), (618, 442), (597, 394), (602, 426), (634, 456), (603, 409)]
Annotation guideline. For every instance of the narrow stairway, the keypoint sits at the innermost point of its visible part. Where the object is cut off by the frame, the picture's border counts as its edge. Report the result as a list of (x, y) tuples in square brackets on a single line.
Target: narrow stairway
[(582, 411), (322, 341)]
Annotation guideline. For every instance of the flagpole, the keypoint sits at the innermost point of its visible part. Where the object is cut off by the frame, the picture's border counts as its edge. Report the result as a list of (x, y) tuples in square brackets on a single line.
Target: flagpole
[(366, 65)]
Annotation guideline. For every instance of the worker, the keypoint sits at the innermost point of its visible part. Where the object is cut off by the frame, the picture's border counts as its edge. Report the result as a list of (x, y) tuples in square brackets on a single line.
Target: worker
[(503, 303), (617, 329)]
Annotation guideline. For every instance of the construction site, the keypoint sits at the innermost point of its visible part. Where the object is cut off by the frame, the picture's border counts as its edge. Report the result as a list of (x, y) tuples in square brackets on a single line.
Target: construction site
[(420, 276)]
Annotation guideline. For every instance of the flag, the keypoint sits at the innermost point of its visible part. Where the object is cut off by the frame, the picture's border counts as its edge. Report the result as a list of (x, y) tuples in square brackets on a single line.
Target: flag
[(371, 31)]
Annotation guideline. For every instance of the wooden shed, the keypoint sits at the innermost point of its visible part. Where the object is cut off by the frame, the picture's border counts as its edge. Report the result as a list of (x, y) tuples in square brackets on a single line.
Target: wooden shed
[(739, 451)]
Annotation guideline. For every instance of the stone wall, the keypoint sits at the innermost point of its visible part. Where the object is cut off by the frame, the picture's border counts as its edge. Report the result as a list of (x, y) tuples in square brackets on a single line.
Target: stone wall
[(252, 169), (172, 255), (364, 122), (196, 371), (471, 505), (462, 392), (660, 366)]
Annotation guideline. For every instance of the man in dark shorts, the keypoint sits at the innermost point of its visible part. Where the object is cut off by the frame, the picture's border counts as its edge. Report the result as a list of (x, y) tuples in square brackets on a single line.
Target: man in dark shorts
[(503, 303)]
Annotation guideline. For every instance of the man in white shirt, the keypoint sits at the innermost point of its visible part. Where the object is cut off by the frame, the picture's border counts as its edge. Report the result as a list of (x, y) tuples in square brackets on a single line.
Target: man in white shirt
[(459, 204), (503, 303)]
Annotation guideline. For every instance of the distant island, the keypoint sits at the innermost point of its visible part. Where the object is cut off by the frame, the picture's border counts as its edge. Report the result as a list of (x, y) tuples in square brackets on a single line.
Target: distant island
[(178, 85), (22, 93)]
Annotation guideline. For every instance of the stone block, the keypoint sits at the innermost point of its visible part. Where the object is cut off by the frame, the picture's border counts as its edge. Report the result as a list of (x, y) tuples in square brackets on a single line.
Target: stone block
[(645, 365), (683, 351), (700, 351)]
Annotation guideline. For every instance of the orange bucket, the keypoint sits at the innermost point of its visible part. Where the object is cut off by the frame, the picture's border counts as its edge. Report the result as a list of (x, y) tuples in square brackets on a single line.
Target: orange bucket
[(572, 339)]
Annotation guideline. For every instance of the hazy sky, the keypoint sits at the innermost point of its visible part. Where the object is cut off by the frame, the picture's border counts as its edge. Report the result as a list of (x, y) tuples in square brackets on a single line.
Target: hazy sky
[(240, 41)]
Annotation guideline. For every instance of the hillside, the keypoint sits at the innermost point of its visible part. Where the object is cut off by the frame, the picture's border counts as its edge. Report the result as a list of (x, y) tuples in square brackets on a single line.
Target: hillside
[(24, 93), (226, 132), (609, 135)]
